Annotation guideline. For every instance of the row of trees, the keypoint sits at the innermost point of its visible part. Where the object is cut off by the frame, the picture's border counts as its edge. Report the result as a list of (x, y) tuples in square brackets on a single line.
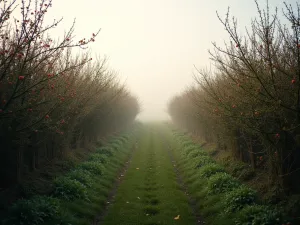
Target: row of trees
[(51, 99), (250, 102)]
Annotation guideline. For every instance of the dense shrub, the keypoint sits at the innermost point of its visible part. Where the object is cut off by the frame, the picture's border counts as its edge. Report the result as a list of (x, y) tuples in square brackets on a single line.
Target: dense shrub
[(108, 151), (239, 198), (115, 145), (196, 152), (200, 161), (122, 139), (187, 143), (83, 176), (96, 157), (33, 211), (93, 167), (258, 215), (210, 169), (69, 189), (221, 182)]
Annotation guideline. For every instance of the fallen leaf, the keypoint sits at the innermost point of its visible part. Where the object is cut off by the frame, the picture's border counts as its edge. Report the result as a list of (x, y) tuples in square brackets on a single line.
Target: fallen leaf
[(177, 217)]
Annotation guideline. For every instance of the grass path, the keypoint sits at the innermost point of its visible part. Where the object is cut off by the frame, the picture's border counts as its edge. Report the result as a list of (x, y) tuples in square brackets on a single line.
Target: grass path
[(150, 193)]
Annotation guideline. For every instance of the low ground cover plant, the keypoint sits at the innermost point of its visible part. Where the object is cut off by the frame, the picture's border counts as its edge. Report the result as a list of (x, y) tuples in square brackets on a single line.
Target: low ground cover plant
[(86, 184), (221, 198)]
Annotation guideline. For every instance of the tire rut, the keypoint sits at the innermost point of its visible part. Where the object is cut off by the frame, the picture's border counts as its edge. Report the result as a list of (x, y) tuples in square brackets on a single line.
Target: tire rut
[(121, 174), (192, 202)]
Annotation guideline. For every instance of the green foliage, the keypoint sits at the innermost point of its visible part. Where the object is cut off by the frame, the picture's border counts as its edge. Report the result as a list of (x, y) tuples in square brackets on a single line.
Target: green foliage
[(93, 167), (222, 182), (258, 215), (34, 211), (240, 169), (118, 141), (220, 197), (196, 152), (69, 189), (210, 169), (188, 149), (123, 139), (239, 198), (108, 151), (188, 143), (200, 161), (115, 145), (96, 157), (83, 176)]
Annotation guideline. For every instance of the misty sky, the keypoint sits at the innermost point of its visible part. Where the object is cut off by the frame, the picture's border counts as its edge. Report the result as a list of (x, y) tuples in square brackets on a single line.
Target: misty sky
[(154, 44)]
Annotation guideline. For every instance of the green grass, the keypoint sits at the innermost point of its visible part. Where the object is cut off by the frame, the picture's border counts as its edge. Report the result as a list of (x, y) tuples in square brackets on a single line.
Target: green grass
[(150, 194), (169, 180)]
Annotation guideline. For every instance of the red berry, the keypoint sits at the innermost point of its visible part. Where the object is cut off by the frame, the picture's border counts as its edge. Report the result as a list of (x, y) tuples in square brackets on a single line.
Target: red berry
[(293, 81), (277, 135), (47, 116), (21, 77)]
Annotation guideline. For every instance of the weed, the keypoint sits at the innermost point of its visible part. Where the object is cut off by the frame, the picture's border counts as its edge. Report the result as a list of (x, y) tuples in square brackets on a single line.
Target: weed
[(210, 169), (83, 176), (69, 189), (34, 211), (258, 215), (93, 167), (239, 198)]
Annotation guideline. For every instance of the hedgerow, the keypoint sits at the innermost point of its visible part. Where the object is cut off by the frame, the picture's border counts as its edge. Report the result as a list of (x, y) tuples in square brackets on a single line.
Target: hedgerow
[(248, 103), (52, 99)]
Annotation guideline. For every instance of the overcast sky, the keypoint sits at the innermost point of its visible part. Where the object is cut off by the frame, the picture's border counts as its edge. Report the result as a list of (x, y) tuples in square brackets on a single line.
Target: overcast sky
[(154, 44)]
